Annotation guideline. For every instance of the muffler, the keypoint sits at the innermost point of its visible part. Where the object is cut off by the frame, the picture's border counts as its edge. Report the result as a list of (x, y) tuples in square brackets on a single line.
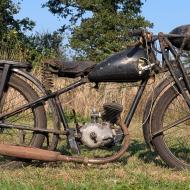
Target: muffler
[(31, 153)]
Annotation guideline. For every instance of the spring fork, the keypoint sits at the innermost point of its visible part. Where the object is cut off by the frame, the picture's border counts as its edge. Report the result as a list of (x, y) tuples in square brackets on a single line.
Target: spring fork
[(171, 69)]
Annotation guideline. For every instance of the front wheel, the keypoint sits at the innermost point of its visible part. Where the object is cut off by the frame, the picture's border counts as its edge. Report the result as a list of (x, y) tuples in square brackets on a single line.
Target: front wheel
[(170, 127)]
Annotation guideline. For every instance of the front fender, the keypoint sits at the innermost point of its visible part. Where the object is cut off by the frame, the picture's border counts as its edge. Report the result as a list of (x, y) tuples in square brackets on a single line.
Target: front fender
[(149, 107)]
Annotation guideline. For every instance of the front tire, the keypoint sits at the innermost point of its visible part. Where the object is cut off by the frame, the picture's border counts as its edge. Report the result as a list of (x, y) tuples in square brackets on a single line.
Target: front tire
[(173, 145)]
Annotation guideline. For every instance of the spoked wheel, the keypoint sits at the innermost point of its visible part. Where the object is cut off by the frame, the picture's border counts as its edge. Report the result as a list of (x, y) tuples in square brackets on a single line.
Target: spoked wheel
[(171, 129), (18, 93)]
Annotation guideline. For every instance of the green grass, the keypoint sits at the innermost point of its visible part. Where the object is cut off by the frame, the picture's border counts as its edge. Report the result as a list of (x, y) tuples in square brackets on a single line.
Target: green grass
[(138, 169)]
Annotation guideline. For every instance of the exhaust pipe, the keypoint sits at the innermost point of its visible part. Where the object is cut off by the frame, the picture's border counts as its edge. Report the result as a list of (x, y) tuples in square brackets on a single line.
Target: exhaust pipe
[(31, 153)]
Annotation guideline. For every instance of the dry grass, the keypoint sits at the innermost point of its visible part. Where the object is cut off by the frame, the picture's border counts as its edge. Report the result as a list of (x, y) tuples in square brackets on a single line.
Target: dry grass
[(85, 98)]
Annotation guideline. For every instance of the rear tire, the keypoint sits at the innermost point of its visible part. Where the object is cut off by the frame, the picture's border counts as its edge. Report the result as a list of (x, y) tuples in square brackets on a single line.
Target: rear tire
[(17, 93)]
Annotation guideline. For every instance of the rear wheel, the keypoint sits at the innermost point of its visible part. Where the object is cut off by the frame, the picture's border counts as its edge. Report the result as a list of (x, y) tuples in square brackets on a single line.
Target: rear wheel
[(16, 94), (171, 134)]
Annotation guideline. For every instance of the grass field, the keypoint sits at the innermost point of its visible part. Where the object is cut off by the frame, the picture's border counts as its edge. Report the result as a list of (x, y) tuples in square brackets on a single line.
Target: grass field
[(138, 169)]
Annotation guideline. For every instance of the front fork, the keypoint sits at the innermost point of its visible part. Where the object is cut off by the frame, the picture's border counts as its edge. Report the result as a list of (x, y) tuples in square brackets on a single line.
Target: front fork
[(166, 44)]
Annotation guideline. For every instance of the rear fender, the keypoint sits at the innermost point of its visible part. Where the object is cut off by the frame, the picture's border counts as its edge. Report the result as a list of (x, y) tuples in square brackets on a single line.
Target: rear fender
[(41, 88)]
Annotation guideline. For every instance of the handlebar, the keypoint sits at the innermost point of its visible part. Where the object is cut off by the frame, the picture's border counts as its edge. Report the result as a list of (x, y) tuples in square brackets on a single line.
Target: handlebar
[(141, 32), (147, 38)]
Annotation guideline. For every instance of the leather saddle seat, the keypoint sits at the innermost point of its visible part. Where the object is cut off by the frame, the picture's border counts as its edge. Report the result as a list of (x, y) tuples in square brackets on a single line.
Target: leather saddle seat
[(69, 69)]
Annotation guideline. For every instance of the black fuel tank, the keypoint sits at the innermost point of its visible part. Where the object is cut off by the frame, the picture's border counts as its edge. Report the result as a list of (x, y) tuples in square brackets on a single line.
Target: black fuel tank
[(121, 67)]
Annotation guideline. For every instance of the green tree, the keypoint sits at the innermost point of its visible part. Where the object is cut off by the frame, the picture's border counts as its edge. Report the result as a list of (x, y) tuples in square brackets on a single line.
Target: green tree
[(8, 10), (12, 37), (45, 46), (16, 45), (104, 24)]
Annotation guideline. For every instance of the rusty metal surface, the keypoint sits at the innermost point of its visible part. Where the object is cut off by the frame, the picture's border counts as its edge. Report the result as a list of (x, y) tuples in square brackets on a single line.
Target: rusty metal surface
[(26, 128), (51, 156), (28, 153), (112, 158)]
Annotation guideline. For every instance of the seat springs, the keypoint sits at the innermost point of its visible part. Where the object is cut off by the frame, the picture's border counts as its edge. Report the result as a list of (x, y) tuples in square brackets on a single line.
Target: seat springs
[(46, 76)]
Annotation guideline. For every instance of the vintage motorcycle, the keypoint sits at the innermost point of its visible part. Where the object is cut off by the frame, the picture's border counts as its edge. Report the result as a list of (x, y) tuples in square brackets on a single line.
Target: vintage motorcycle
[(24, 116)]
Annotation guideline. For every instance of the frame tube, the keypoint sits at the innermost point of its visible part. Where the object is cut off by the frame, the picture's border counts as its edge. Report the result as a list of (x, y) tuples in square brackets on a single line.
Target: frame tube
[(135, 102)]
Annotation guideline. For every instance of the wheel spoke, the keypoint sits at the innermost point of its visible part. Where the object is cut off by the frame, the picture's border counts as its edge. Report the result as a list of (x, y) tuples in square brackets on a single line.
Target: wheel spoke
[(176, 123), (171, 129), (18, 124)]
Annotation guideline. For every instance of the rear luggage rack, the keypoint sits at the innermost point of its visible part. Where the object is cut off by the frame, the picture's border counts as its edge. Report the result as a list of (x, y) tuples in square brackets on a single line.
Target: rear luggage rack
[(15, 64)]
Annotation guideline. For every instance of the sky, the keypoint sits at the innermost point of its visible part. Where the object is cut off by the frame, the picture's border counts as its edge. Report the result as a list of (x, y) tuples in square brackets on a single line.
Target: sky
[(165, 14)]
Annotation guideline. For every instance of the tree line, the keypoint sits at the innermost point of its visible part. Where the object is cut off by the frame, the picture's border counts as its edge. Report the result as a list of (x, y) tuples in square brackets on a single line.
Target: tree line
[(98, 28)]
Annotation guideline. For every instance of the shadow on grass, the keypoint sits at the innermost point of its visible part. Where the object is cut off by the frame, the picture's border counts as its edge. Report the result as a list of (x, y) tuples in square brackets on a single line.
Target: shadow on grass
[(140, 150), (12, 163)]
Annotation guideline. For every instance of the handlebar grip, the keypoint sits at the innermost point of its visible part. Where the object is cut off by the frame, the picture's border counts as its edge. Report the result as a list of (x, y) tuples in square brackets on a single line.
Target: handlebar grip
[(137, 32)]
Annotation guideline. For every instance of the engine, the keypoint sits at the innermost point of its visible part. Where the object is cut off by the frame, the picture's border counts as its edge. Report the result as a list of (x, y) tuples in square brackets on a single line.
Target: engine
[(103, 129)]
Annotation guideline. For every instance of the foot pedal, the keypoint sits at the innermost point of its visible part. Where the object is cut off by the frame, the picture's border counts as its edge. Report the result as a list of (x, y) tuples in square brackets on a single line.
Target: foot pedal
[(72, 142)]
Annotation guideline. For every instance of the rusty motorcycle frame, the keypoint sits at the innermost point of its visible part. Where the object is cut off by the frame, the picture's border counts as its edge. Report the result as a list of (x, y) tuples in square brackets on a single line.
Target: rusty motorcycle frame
[(146, 65)]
